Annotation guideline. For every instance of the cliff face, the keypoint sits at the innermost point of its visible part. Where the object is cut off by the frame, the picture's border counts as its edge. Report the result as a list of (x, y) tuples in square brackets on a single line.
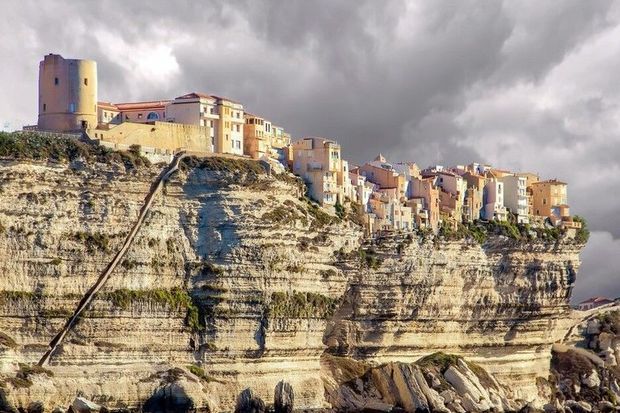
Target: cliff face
[(500, 305), (234, 275)]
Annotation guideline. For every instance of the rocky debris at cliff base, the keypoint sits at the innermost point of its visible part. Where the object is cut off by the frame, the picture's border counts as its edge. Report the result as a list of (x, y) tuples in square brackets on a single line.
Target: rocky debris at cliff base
[(582, 379), (438, 383)]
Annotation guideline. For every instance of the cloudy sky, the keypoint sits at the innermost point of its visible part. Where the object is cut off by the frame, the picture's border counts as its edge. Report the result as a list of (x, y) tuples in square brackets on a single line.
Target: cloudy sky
[(528, 85)]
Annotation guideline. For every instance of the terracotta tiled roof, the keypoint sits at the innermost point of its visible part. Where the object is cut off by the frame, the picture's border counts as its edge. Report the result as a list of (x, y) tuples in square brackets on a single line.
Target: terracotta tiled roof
[(155, 104), (550, 181), (107, 105), (594, 300), (195, 95)]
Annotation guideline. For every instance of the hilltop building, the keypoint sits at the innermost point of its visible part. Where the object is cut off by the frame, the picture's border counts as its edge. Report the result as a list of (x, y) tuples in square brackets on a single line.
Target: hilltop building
[(67, 94), (318, 161)]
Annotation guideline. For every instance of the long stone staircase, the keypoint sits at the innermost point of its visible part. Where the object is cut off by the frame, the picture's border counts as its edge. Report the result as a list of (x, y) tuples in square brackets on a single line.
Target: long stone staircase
[(103, 278)]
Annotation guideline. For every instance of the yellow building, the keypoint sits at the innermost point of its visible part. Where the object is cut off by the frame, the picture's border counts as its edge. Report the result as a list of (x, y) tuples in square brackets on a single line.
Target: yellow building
[(318, 161), (550, 198), (67, 94), (229, 128), (256, 136)]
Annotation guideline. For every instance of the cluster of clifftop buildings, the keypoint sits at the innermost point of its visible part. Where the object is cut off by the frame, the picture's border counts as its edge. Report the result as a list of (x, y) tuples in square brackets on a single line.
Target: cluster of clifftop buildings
[(398, 196)]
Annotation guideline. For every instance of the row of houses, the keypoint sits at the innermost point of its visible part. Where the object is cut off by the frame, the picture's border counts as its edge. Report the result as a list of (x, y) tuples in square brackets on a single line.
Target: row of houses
[(398, 196), (401, 196), (220, 125)]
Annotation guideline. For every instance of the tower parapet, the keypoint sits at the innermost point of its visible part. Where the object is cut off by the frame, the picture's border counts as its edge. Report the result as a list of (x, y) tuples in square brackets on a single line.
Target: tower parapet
[(67, 94)]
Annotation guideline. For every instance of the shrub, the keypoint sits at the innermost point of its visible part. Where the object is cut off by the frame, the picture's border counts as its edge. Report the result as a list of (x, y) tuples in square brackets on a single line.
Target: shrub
[(440, 360), (55, 261), (31, 145), (221, 164), (340, 212), (94, 242), (582, 235), (175, 299), (369, 258), (301, 305)]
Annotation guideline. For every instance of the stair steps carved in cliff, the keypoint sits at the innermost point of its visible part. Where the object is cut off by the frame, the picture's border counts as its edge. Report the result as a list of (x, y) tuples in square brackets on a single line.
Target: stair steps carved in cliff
[(85, 301)]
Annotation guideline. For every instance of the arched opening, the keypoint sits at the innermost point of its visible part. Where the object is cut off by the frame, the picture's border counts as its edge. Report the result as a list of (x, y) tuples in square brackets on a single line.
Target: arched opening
[(152, 116)]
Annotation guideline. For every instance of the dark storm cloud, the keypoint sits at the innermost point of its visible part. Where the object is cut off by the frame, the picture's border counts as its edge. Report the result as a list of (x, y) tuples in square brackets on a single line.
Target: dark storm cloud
[(529, 85)]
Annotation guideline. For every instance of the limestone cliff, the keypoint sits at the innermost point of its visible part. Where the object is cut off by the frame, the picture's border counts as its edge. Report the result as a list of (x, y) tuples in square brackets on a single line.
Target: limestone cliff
[(235, 281)]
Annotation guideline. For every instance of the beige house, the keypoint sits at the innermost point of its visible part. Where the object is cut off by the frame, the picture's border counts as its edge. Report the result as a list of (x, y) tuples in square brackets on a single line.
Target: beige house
[(390, 213), (382, 173), (256, 136), (473, 202), (515, 196), (318, 161), (195, 109), (425, 190), (548, 195), (229, 129)]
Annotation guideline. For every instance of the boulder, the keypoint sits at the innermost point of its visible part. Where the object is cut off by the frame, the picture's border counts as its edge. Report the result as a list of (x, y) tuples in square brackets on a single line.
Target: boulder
[(610, 358), (456, 407), (592, 380), (448, 396), (605, 340), (461, 384), (377, 406), (606, 407), (36, 407), (578, 407), (594, 326), (470, 404), (248, 402), (171, 397), (82, 405), (283, 398), (435, 401)]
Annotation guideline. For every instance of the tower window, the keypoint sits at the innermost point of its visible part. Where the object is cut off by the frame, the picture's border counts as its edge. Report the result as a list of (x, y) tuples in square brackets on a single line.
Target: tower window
[(44, 107), (55, 80), (85, 81)]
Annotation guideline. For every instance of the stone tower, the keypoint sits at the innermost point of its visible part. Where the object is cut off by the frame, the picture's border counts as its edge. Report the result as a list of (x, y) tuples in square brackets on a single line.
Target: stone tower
[(67, 94)]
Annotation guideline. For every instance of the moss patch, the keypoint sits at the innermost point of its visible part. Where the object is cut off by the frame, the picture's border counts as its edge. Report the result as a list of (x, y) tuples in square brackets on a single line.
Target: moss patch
[(301, 305)]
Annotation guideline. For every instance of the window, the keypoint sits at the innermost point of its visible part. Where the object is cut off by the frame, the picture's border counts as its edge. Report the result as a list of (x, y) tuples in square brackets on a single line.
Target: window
[(152, 116), (71, 107), (139, 116), (238, 128), (55, 80), (85, 81), (44, 107)]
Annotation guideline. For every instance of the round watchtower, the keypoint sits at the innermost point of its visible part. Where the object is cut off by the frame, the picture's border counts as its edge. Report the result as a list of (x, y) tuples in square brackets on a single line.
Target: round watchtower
[(67, 94)]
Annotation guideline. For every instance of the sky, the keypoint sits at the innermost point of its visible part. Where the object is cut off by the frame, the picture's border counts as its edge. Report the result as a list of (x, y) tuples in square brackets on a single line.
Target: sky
[(523, 85)]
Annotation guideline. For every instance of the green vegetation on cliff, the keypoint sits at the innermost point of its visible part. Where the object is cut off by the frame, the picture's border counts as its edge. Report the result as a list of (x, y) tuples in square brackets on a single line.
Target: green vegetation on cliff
[(35, 146), (222, 164), (583, 234), (301, 305), (175, 299)]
